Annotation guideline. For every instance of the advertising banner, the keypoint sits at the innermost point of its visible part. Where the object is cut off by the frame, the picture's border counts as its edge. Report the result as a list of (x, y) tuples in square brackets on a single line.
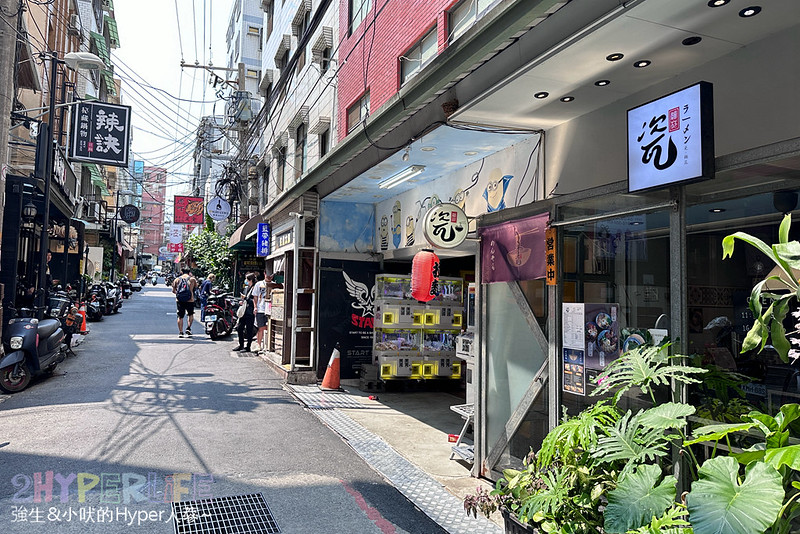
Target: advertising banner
[(514, 250), (175, 247), (175, 233), (348, 290), (101, 133), (590, 338), (188, 210)]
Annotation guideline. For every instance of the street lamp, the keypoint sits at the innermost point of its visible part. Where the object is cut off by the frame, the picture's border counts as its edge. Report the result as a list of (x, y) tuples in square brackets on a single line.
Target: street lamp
[(114, 244), (74, 61)]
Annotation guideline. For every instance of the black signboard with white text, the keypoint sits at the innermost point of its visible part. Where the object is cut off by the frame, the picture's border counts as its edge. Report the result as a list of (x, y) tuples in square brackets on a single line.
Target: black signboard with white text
[(347, 291), (100, 133)]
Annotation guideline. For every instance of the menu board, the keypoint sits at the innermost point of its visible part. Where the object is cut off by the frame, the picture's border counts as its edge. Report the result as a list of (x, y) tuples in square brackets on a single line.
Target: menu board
[(590, 338)]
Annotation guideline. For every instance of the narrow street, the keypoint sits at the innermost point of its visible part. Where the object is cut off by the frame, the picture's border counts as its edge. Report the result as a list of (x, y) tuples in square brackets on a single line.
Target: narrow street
[(139, 418)]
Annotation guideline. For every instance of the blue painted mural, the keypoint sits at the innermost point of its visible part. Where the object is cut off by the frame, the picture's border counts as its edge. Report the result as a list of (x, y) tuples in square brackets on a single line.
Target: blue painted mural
[(346, 227)]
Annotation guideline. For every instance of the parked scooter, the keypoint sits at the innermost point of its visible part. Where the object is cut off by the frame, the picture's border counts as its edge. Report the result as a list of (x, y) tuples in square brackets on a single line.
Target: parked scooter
[(98, 296), (32, 347), (113, 298), (154, 279), (220, 314)]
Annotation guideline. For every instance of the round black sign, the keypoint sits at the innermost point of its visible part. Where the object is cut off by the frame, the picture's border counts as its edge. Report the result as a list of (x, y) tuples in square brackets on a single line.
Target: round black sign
[(129, 213)]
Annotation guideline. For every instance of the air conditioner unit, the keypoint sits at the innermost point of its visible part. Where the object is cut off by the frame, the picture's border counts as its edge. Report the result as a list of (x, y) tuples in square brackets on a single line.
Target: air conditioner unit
[(74, 25)]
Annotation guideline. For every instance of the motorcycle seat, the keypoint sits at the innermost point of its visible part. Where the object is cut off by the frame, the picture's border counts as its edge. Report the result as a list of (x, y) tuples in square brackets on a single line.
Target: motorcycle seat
[(47, 327)]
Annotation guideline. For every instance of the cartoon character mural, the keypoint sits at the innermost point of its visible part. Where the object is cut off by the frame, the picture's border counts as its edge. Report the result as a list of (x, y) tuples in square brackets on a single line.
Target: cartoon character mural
[(384, 233), (459, 198), (410, 225), (495, 192), (397, 222)]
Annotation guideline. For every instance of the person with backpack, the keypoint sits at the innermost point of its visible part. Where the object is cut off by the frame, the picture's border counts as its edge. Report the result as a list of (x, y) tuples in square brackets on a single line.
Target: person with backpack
[(203, 294), (184, 287)]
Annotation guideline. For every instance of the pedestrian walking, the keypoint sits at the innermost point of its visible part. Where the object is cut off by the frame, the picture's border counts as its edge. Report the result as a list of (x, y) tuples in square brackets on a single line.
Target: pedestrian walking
[(245, 325), (184, 287), (205, 291)]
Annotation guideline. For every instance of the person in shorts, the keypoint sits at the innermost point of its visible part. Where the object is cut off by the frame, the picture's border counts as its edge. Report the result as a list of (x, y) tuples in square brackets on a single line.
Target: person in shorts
[(185, 302), (261, 299)]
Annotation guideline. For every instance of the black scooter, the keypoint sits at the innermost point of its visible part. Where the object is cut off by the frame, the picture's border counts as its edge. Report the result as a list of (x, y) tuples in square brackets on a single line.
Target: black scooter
[(32, 347)]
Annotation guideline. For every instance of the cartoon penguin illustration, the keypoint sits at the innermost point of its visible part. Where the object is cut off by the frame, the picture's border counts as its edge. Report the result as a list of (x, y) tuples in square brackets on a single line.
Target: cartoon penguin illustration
[(384, 232), (495, 192), (397, 222), (410, 231), (460, 198)]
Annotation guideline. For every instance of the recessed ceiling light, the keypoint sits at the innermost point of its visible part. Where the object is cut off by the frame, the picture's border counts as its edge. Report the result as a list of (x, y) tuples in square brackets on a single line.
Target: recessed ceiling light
[(636, 223), (642, 64), (602, 83), (470, 153), (567, 98), (717, 210), (718, 3), (615, 56), (542, 94), (750, 11), (428, 148), (693, 40)]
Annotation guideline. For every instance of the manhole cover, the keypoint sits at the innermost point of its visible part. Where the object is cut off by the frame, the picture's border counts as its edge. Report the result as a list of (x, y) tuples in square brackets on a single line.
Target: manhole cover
[(225, 515)]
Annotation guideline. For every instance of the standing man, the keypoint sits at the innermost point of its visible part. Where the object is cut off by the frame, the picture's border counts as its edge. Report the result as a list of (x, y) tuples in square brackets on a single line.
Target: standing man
[(205, 291), (184, 287)]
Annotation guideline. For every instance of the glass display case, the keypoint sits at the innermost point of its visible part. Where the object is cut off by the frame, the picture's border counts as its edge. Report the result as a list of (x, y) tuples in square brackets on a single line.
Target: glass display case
[(440, 342), (393, 287), (451, 290), (394, 340)]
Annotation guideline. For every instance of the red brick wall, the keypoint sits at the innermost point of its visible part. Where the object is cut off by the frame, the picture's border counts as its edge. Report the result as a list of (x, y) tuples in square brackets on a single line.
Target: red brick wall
[(398, 26)]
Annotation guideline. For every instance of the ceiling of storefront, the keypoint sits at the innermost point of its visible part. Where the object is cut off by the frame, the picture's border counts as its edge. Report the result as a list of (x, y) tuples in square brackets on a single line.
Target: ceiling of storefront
[(652, 30), (453, 149)]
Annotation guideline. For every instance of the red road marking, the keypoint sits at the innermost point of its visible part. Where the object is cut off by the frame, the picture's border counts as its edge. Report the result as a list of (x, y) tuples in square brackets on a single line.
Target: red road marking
[(376, 517)]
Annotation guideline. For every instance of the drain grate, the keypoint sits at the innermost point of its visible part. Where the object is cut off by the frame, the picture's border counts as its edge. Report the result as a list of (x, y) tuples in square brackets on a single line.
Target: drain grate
[(222, 515)]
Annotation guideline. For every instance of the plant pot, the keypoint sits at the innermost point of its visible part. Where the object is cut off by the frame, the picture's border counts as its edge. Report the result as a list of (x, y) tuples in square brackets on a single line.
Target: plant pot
[(513, 526)]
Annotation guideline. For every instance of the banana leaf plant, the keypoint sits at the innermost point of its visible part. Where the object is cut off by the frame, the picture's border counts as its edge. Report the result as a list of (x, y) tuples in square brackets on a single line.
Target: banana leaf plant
[(768, 323)]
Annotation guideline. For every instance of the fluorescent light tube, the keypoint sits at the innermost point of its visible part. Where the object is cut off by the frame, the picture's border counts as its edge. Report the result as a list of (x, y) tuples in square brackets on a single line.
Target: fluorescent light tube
[(402, 176)]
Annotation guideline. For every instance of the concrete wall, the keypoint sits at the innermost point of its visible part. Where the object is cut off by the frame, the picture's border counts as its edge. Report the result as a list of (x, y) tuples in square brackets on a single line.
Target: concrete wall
[(755, 104)]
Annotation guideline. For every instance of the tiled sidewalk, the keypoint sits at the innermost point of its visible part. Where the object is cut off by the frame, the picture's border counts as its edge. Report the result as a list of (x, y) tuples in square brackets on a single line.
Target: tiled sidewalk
[(420, 488)]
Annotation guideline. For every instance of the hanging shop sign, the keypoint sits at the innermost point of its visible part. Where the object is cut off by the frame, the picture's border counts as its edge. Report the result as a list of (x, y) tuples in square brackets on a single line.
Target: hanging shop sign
[(162, 250), (671, 139), (445, 226), (551, 269), (175, 247), (425, 270), (175, 233), (129, 213), (188, 210), (218, 209), (514, 250), (263, 240), (590, 339), (101, 133)]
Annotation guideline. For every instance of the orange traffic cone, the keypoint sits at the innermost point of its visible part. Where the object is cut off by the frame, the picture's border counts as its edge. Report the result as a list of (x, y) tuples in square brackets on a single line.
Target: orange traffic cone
[(331, 380), (82, 311)]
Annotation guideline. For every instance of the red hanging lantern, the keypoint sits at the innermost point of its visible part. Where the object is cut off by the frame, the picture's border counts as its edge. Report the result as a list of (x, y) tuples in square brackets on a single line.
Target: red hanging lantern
[(425, 276)]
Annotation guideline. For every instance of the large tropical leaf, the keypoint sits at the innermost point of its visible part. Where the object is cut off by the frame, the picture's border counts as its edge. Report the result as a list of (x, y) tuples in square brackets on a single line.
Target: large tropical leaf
[(673, 521), (668, 415), (718, 431), (577, 433), (788, 414), (638, 498), (719, 504), (644, 367), (631, 442), (783, 456)]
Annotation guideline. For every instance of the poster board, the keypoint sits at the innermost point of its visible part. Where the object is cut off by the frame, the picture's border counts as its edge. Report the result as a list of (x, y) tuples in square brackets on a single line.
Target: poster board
[(590, 339)]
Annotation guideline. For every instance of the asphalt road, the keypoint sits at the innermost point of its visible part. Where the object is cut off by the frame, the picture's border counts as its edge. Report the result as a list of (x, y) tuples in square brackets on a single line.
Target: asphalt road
[(140, 418)]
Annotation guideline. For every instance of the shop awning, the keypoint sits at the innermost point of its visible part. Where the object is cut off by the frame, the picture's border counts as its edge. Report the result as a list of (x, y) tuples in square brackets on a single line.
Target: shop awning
[(97, 178), (241, 238)]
